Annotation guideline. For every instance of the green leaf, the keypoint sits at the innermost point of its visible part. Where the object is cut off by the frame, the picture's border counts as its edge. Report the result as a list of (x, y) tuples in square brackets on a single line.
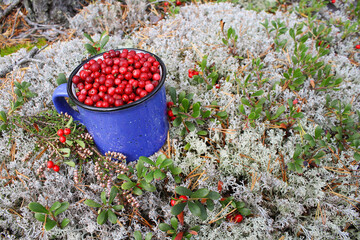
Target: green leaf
[(165, 163), (298, 151), (137, 191), (319, 154), (258, 93), (181, 96), (37, 207), (202, 133), (318, 132), (178, 208), (222, 114), (298, 115), (174, 223), (103, 197), (102, 218), (70, 163), (18, 92), (194, 209), (3, 116), (68, 124), (147, 160), (210, 204), (164, 227), (175, 170), (90, 49), (177, 121), (298, 168), (137, 235), (118, 207), (104, 41), (183, 191), (55, 206), (240, 205), (245, 102), (128, 185), (213, 195), (200, 193), (111, 216), (91, 203), (185, 103), (149, 177), (158, 174), (147, 186), (80, 143), (61, 79), (190, 126), (244, 211), (65, 222), (66, 151), (308, 137), (88, 37), (357, 156), (279, 111), (172, 93), (62, 208), (148, 236), (203, 63), (50, 224), (124, 177), (160, 159), (40, 217), (113, 192), (203, 215)]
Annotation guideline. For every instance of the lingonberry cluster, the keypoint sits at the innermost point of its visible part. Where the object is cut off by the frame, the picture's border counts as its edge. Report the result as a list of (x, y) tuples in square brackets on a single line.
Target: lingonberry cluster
[(51, 165), (116, 79), (62, 132), (170, 112), (174, 201), (192, 72)]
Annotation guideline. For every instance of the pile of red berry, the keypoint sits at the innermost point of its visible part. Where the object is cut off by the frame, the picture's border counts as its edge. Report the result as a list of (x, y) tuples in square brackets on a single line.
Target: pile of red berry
[(192, 72), (170, 112), (116, 79), (62, 132)]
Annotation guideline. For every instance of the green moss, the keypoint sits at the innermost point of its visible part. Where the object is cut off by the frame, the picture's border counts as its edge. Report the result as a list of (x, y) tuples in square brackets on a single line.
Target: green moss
[(28, 45)]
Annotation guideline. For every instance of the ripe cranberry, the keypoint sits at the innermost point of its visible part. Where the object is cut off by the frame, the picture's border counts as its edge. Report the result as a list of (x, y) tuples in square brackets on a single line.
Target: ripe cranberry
[(62, 139), (92, 92), (95, 98), (136, 73), (128, 90), (141, 84), (50, 164), (82, 98), (67, 131), (118, 102), (92, 61), (119, 90), (238, 218), (88, 86), (178, 3), (96, 85), (156, 64), (144, 77), (149, 87), (105, 104), (125, 98), (111, 91), (102, 79), (111, 101), (357, 47), (295, 101), (56, 168), (137, 98), (333, 1), (172, 118), (169, 104), (156, 77), (123, 70), (128, 76), (60, 132), (99, 104), (86, 66), (109, 83), (173, 202), (95, 67), (76, 79), (84, 73), (80, 86), (155, 83), (145, 69), (166, 4), (151, 59), (170, 113), (185, 198), (116, 61), (108, 70), (89, 102), (217, 86), (83, 92), (137, 65)]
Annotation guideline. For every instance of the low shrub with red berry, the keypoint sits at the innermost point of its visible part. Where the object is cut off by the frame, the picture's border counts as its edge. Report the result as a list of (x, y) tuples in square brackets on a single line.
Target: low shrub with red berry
[(117, 78)]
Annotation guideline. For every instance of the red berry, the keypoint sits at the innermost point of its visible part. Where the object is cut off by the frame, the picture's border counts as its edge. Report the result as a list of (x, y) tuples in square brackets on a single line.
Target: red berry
[(238, 218), (333, 1), (217, 86), (178, 3), (166, 4), (357, 47), (67, 131), (50, 164), (149, 87), (295, 101), (62, 139), (56, 168), (173, 202), (60, 132), (172, 118), (170, 113), (170, 104), (185, 198)]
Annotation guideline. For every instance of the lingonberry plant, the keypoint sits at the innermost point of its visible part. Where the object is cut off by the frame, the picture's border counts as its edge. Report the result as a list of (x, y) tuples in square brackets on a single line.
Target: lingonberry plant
[(189, 115), (208, 75), (178, 232), (49, 215), (95, 47)]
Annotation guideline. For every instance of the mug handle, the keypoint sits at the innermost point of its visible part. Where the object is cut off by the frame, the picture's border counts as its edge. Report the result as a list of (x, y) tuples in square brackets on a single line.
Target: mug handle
[(61, 104)]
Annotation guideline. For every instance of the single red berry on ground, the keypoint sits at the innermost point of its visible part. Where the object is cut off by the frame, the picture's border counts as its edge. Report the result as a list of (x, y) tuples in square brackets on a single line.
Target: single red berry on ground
[(238, 218), (357, 46), (50, 164), (62, 139), (333, 1), (60, 132), (56, 168), (67, 131)]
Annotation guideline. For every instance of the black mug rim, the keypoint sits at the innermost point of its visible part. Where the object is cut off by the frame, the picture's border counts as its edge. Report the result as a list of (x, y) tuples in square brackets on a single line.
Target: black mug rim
[(109, 109)]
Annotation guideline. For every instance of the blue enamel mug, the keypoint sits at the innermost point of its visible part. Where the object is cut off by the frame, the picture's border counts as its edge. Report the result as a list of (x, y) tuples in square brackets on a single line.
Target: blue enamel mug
[(135, 129)]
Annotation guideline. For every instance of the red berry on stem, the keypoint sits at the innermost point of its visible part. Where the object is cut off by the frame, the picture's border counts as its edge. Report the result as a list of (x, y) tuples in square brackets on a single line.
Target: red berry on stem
[(295, 101), (62, 139), (185, 198), (333, 1), (50, 164), (60, 132), (357, 46), (170, 113), (173, 202), (238, 218), (67, 131), (178, 3), (170, 104), (56, 168), (217, 86)]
